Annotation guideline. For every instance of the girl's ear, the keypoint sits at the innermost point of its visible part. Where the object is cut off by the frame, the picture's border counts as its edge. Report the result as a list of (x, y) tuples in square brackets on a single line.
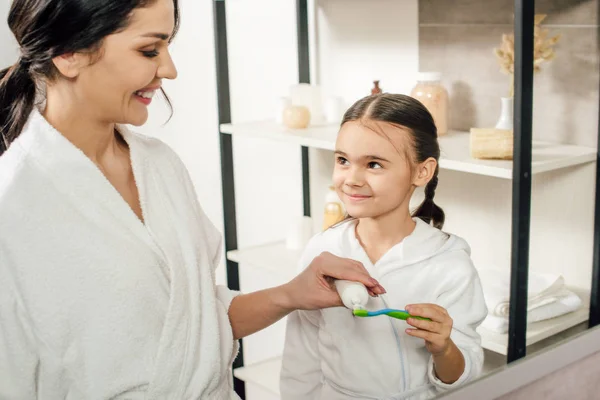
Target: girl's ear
[(425, 172)]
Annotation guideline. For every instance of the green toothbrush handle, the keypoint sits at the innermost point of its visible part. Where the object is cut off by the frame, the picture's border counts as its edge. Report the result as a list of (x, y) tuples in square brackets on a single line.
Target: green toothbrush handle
[(404, 315)]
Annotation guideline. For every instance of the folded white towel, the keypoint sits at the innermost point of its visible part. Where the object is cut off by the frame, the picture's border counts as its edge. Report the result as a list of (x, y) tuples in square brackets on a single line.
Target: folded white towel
[(566, 302), (543, 289)]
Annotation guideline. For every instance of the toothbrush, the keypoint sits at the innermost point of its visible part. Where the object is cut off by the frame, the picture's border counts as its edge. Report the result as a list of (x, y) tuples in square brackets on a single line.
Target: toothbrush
[(400, 314)]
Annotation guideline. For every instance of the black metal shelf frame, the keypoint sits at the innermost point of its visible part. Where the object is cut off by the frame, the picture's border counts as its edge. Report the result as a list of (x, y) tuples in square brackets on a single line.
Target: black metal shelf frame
[(524, 11)]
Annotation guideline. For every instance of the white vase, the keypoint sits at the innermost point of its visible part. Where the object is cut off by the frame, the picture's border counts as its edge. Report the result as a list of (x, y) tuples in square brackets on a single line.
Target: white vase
[(281, 105), (299, 233), (334, 110), (506, 114)]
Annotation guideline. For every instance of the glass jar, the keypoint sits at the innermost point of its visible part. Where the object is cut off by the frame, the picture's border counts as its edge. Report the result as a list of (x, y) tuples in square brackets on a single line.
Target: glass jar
[(434, 97)]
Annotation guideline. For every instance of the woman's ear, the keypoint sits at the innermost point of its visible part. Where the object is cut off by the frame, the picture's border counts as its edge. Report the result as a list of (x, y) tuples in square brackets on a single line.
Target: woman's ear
[(69, 65), (425, 172)]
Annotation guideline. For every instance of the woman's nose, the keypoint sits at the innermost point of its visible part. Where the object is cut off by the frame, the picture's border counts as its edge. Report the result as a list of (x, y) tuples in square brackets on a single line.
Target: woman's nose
[(167, 68)]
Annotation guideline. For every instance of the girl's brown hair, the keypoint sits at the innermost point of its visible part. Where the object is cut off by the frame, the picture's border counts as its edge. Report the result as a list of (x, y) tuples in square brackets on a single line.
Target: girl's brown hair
[(412, 115)]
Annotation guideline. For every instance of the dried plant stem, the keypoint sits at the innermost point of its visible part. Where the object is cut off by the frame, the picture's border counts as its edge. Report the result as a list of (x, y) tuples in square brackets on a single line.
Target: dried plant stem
[(543, 50)]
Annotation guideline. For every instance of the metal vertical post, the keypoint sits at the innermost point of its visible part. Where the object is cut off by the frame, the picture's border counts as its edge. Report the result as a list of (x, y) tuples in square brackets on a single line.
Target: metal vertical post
[(304, 77), (595, 289), (521, 194), (227, 173)]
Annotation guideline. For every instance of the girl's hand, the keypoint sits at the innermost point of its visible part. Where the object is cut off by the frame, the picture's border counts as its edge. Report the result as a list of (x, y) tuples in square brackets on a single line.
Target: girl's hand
[(436, 332), (314, 289)]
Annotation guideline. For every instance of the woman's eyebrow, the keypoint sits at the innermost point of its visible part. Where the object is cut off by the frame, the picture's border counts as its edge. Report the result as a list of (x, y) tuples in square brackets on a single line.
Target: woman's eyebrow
[(161, 36)]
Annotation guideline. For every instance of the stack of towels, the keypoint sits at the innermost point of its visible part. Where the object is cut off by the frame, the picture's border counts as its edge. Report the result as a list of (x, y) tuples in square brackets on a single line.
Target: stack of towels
[(548, 297)]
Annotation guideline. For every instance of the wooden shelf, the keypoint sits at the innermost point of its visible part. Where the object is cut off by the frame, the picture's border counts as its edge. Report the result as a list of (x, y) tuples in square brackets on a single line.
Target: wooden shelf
[(454, 146), (264, 374), (275, 258)]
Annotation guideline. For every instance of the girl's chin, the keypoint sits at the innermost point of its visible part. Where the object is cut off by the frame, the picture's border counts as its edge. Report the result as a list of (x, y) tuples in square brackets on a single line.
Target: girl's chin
[(361, 212)]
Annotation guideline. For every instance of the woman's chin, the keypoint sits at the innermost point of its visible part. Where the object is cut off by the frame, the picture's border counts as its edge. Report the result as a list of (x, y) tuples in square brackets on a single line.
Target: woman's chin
[(137, 119)]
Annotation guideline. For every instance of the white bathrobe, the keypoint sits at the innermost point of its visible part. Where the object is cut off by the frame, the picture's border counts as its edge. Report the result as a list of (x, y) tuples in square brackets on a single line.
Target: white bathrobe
[(95, 304), (331, 355)]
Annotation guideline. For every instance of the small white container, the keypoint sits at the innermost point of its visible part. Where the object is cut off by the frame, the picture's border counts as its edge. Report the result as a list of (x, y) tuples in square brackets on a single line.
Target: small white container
[(299, 234), (309, 96), (282, 104), (334, 110)]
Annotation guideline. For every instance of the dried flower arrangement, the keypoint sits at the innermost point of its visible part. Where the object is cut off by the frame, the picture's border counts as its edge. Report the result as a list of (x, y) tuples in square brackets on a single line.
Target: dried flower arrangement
[(542, 50)]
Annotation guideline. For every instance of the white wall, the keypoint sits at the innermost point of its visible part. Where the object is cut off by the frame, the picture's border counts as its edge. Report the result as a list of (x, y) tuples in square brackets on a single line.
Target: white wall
[(359, 42), (8, 44)]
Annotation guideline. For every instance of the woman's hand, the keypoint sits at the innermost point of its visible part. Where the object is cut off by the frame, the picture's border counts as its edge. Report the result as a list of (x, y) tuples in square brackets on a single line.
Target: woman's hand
[(314, 288), (436, 332)]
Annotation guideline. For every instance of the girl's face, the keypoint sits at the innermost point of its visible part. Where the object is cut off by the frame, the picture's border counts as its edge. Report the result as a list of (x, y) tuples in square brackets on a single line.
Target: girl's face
[(373, 174), (116, 84)]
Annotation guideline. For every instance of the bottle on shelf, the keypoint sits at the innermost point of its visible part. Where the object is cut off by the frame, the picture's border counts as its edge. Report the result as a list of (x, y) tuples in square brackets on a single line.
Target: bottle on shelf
[(376, 89), (334, 209)]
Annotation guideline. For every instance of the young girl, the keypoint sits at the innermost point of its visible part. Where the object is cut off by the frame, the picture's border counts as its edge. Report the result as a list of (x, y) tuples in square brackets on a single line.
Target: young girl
[(387, 146)]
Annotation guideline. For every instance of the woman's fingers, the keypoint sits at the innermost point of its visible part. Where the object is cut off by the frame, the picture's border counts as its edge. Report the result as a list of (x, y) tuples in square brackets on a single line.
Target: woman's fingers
[(342, 268), (314, 287)]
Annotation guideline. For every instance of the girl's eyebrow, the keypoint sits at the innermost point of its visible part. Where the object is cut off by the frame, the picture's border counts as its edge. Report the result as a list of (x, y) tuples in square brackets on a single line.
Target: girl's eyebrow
[(368, 157)]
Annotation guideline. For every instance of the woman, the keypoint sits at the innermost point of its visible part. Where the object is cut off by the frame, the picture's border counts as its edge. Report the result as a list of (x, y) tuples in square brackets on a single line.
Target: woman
[(106, 258)]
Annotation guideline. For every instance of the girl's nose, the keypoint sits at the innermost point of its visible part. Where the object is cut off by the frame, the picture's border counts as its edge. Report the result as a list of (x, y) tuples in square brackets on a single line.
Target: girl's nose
[(355, 177)]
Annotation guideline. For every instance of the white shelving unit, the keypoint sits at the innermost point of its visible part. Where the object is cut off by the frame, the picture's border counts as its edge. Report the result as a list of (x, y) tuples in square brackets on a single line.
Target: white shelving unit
[(272, 257), (264, 374), (454, 147)]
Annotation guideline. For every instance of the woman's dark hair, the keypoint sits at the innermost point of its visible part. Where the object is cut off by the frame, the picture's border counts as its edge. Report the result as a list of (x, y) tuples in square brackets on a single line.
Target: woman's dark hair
[(406, 112), (46, 29)]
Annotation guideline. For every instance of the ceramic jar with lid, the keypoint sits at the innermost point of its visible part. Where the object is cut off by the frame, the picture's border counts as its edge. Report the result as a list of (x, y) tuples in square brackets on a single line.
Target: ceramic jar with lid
[(434, 96)]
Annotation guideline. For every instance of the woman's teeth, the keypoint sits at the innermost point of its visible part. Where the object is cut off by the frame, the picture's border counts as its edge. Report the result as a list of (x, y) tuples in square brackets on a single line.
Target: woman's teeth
[(146, 95)]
